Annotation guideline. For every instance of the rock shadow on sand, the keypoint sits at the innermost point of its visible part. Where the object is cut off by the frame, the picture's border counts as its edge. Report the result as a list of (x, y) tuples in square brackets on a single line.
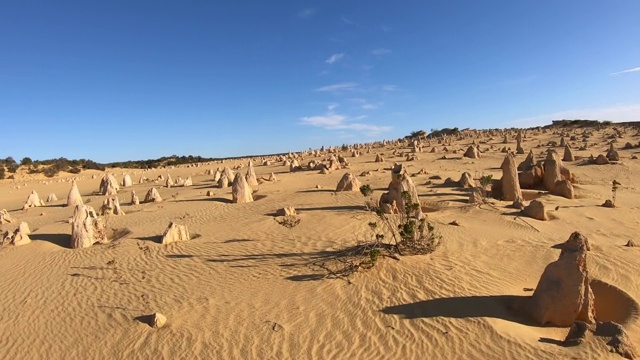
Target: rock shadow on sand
[(63, 240), (497, 306)]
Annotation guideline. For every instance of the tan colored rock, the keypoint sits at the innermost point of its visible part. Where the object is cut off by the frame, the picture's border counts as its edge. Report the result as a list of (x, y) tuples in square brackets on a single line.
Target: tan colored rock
[(169, 182), (476, 196), (152, 196), (392, 201), (175, 233), (379, 158), (86, 228), (552, 174), (510, 183), (241, 191), (209, 193), (52, 198), (111, 206), (251, 178), (612, 154), (158, 320), (563, 294), (472, 152), (536, 210), (528, 162), (272, 177), (33, 201), (601, 160), (619, 341), (564, 188), (134, 198), (21, 235), (631, 243), (568, 155), (575, 242), (188, 182), (5, 218), (126, 181), (466, 180), (348, 182), (109, 185), (74, 198)]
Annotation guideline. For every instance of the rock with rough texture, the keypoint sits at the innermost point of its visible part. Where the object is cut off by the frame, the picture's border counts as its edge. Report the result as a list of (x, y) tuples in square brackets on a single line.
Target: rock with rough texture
[(86, 228), (563, 294), (620, 342), (631, 243), (5, 218), (134, 199), (510, 183), (528, 162), (575, 242), (476, 196), (472, 152), (241, 191), (552, 174), (568, 154), (286, 211), (393, 200), (349, 182), (466, 180), (109, 185), (223, 182), (272, 177), (251, 178), (21, 235), (601, 160), (74, 198), (175, 233), (126, 181), (612, 154), (535, 210), (188, 181), (152, 196), (111, 206), (33, 200), (158, 320), (564, 188), (379, 158), (169, 182), (52, 198), (577, 334)]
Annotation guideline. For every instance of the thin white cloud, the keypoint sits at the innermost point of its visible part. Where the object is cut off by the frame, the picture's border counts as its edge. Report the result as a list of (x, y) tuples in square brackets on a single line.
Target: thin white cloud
[(337, 87), (369, 106), (341, 122), (334, 58), (390, 88), (332, 107), (306, 13), (636, 69), (380, 51), (346, 20), (620, 113), (385, 28)]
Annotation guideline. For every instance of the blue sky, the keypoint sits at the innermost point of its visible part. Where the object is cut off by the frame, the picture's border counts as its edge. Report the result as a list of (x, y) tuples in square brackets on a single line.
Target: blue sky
[(118, 80)]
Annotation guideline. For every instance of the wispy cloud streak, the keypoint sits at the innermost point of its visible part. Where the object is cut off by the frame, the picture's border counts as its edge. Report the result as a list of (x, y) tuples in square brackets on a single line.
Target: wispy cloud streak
[(636, 69), (337, 87), (334, 58)]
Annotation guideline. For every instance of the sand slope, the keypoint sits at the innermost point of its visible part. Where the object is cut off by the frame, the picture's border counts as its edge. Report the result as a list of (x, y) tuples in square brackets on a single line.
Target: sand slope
[(248, 288)]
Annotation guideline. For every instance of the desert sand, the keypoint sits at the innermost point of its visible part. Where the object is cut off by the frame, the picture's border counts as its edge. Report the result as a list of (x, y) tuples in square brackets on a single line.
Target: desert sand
[(246, 287)]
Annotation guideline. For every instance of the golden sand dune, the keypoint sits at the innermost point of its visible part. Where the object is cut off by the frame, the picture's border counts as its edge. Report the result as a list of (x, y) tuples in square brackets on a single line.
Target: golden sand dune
[(246, 287)]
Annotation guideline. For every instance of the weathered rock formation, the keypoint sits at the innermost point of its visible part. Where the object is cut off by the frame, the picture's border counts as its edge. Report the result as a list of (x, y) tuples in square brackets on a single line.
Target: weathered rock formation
[(175, 233), (241, 192), (86, 228), (348, 182)]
